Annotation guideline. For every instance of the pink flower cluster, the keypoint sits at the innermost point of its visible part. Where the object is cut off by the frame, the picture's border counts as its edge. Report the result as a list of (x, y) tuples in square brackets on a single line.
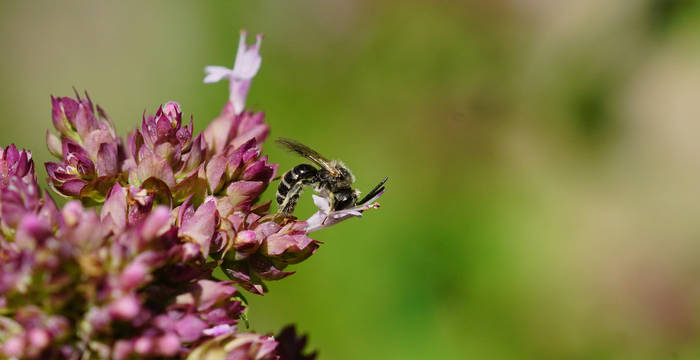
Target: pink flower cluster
[(134, 278)]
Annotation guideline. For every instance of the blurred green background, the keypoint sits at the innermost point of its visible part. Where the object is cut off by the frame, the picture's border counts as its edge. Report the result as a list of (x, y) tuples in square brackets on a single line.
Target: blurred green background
[(542, 156)]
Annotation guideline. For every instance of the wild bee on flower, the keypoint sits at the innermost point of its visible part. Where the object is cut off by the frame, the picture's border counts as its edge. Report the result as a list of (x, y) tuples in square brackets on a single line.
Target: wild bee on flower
[(333, 181)]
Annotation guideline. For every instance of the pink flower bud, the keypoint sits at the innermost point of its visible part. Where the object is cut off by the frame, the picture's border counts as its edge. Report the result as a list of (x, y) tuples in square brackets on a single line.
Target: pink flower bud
[(167, 345), (125, 308)]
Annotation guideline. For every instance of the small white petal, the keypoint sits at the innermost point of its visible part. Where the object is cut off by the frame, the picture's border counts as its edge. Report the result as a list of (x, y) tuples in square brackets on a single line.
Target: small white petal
[(346, 212), (321, 203), (241, 44), (217, 73), (316, 222), (238, 91), (248, 59)]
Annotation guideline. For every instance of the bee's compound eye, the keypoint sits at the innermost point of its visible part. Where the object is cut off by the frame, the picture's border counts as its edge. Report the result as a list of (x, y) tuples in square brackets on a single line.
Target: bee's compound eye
[(343, 199)]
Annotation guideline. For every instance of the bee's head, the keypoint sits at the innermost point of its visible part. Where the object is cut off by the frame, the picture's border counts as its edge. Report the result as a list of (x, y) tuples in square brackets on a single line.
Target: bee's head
[(344, 198)]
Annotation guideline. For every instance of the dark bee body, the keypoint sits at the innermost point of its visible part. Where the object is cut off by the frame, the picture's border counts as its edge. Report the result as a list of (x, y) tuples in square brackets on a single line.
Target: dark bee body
[(333, 180), (292, 184)]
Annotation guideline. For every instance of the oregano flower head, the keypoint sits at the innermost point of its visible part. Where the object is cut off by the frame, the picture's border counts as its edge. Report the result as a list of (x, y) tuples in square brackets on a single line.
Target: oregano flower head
[(124, 269)]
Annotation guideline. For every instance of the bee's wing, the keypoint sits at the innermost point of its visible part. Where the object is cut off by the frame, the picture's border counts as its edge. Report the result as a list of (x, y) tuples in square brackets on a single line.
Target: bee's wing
[(377, 189), (309, 153)]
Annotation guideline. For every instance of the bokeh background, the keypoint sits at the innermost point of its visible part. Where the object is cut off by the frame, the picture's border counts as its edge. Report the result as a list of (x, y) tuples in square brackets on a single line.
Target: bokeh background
[(543, 157)]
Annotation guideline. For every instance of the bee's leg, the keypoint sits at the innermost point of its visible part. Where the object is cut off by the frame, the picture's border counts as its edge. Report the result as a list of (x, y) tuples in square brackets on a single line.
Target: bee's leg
[(290, 201)]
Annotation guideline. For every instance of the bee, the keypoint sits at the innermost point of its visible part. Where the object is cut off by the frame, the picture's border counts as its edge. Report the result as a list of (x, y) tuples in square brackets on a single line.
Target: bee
[(333, 180)]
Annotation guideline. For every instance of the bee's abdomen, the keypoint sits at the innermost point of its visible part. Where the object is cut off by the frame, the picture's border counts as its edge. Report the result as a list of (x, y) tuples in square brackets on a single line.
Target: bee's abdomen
[(303, 174)]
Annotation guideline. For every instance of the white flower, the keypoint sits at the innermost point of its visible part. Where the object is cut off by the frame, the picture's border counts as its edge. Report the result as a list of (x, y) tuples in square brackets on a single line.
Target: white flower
[(324, 217), (244, 69)]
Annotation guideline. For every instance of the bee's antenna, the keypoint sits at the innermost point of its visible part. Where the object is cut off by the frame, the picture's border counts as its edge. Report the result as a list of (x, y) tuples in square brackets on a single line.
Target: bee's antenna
[(377, 189)]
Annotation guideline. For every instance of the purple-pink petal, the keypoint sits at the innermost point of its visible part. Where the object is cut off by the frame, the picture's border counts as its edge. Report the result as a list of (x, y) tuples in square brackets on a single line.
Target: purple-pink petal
[(190, 328), (168, 344), (200, 227), (71, 187), (115, 207), (220, 329), (125, 308), (211, 292), (154, 166), (215, 170)]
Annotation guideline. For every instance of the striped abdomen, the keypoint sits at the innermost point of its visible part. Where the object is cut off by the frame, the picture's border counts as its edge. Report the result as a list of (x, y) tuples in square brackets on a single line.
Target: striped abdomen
[(292, 184)]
